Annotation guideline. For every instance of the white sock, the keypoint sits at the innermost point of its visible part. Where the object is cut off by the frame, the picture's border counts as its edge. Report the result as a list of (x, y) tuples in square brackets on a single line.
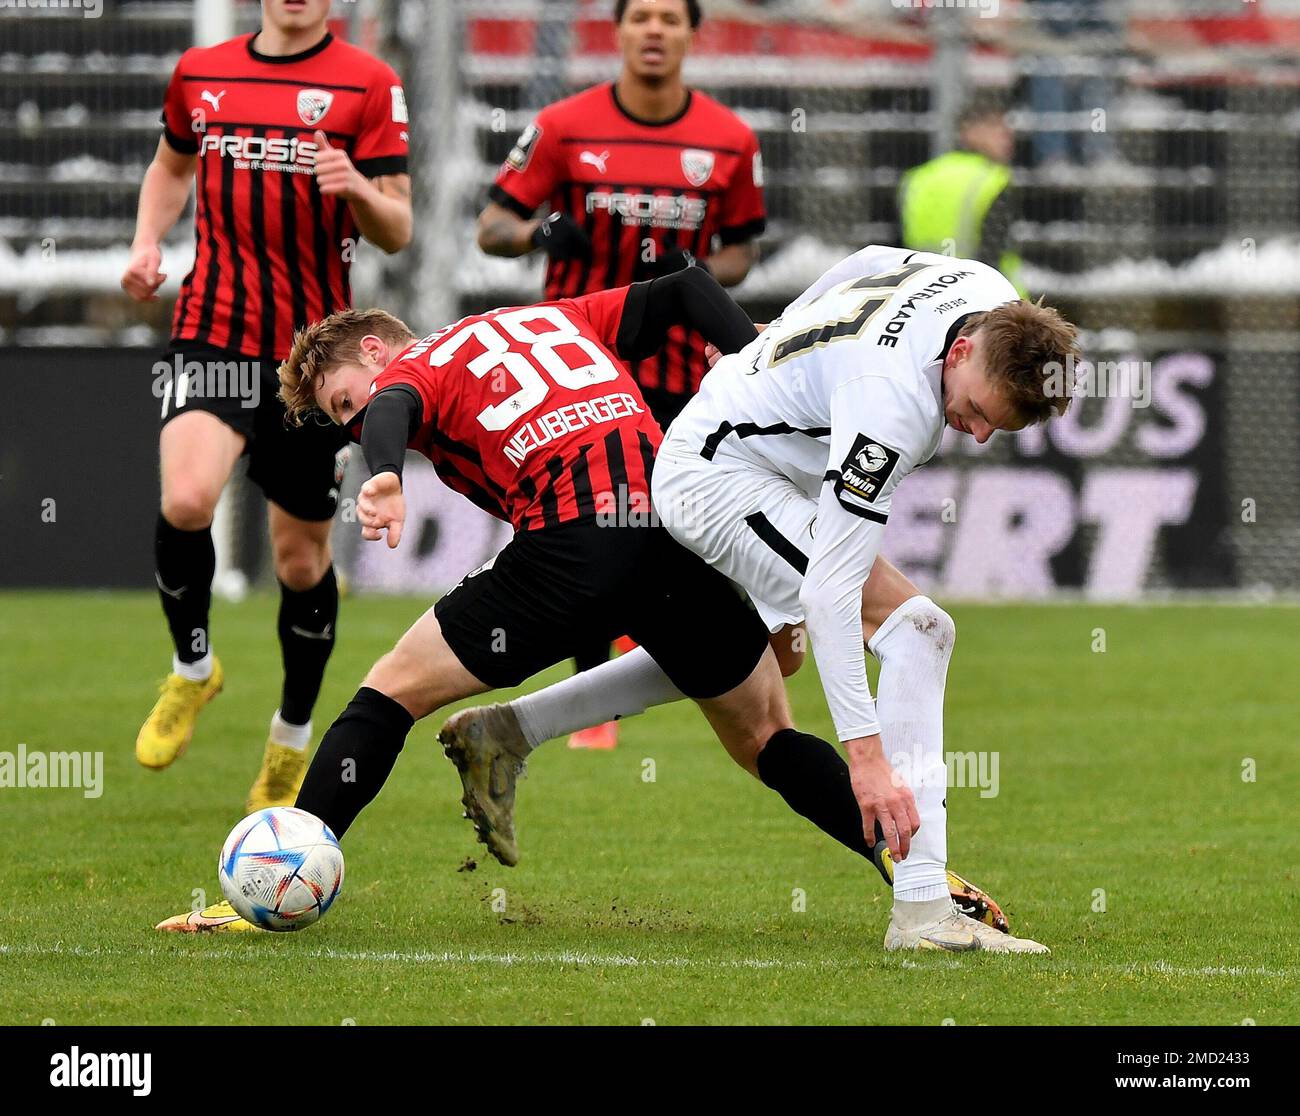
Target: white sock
[(622, 687), (912, 916), (914, 645), (200, 671), (296, 737)]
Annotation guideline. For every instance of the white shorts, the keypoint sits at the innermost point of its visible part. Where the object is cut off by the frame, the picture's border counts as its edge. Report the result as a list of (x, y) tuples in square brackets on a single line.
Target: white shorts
[(752, 525)]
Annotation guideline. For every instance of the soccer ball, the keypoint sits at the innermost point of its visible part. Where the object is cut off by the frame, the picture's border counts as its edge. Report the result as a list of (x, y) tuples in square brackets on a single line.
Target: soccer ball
[(281, 868)]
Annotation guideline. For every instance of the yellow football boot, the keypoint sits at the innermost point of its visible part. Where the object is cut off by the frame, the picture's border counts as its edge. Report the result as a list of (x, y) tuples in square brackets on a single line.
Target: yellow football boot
[(166, 733), (969, 899), (220, 918), (277, 784)]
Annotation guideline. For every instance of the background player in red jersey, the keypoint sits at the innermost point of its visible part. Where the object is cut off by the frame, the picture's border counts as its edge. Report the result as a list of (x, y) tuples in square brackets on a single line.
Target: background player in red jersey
[(299, 145), (639, 176)]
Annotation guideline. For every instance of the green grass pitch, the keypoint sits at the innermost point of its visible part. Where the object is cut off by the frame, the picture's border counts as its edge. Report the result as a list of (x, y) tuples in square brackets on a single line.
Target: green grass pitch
[(1144, 827)]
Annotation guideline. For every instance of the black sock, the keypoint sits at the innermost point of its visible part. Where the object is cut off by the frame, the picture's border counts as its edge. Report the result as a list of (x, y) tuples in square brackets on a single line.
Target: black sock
[(185, 562), (354, 759), (592, 655), (814, 781), (307, 621)]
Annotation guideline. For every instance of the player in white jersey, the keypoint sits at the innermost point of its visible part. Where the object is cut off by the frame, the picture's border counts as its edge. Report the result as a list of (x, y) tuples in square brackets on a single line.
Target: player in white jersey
[(780, 473)]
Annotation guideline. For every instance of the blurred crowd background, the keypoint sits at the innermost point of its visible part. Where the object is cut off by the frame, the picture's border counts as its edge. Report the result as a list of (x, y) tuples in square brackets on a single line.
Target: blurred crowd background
[(1152, 191)]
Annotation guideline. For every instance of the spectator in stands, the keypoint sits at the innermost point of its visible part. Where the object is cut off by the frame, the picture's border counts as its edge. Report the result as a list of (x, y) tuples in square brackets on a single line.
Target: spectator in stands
[(962, 203), (1082, 28)]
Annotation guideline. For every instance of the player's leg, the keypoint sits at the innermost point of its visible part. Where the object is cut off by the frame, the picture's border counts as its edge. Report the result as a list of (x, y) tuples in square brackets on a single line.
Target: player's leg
[(299, 469), (604, 734), (309, 605), (197, 451), (790, 644), (418, 676), (711, 511), (357, 753), (913, 639), (735, 677)]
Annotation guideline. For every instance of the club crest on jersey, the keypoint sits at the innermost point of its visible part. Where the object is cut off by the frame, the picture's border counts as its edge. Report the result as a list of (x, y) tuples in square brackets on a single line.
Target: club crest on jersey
[(866, 469), (697, 165), (313, 104)]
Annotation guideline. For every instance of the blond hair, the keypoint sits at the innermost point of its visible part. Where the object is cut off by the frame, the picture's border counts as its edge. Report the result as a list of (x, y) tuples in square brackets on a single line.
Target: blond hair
[(326, 344), (1030, 352)]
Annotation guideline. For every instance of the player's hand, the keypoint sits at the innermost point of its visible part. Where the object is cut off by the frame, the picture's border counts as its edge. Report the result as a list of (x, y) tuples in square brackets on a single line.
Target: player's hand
[(883, 796), (141, 279), (335, 174), (711, 353), (561, 238), (382, 507)]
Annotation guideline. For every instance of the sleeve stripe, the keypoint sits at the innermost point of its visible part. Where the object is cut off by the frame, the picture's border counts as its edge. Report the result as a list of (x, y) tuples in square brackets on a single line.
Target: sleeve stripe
[(738, 234), (865, 513), (499, 195), (384, 164), (180, 143)]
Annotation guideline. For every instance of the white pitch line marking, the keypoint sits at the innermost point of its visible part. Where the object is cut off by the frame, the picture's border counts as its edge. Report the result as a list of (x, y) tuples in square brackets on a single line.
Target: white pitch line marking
[(629, 961)]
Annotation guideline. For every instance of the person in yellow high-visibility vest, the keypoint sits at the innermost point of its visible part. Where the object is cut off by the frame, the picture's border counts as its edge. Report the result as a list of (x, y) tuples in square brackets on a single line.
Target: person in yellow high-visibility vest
[(962, 203)]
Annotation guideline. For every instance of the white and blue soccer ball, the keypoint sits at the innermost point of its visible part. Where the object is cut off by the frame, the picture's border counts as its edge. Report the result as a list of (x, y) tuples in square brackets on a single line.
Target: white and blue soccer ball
[(281, 868)]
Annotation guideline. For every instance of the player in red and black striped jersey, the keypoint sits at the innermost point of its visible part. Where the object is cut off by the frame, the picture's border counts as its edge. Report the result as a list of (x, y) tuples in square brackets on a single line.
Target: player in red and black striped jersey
[(297, 144), (531, 412), (640, 177)]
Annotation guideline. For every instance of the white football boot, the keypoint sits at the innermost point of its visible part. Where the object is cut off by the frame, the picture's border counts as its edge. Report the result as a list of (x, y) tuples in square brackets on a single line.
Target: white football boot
[(957, 933)]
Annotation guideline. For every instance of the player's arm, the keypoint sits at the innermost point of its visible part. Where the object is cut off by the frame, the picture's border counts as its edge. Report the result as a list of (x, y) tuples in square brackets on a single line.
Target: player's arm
[(502, 232), (381, 207), (731, 263), (743, 217), (528, 177), (865, 466), (691, 298), (382, 210), (391, 418), (163, 194)]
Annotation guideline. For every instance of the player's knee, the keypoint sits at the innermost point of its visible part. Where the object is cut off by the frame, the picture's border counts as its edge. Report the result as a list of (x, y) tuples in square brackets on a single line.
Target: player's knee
[(301, 563), (188, 506), (933, 625), (406, 679)]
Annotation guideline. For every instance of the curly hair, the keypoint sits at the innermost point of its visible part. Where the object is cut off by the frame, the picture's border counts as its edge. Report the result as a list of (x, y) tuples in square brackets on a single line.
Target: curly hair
[(1030, 350), (325, 345)]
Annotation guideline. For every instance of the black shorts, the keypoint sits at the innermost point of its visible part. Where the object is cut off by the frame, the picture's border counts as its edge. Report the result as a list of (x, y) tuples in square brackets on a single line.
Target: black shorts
[(300, 468), (555, 590)]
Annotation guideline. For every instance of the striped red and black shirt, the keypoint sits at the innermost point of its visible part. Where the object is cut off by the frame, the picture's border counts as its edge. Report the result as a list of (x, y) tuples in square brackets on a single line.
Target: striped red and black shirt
[(271, 253), (626, 181), (529, 412)]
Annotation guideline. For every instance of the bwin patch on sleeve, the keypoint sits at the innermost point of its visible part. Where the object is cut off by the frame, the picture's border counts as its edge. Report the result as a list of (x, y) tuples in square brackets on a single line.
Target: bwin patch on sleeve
[(523, 148), (865, 472)]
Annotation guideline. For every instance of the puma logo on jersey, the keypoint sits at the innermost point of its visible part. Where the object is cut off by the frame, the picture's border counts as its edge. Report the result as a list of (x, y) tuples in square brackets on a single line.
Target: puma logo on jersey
[(594, 160), (214, 99)]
